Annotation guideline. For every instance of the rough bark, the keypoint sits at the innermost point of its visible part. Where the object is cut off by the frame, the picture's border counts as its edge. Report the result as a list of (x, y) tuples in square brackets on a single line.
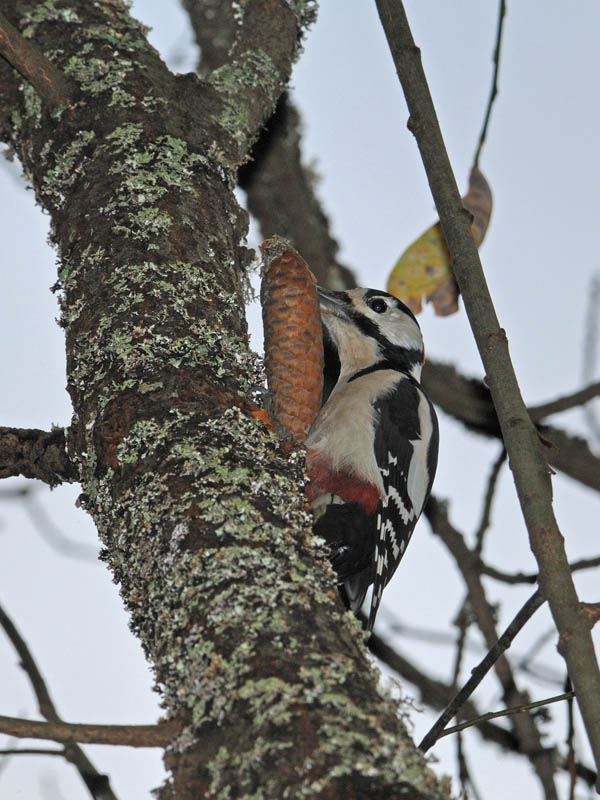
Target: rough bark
[(36, 454), (201, 515), (279, 188)]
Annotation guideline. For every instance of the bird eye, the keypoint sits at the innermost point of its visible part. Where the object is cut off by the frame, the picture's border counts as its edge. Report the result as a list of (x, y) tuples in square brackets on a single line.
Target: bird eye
[(378, 305)]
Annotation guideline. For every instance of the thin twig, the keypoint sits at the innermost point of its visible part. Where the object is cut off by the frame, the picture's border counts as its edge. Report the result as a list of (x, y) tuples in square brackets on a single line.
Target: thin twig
[(531, 577), (51, 84), (506, 712), (526, 454), (481, 670), (159, 735), (468, 563), (97, 783), (535, 649), (437, 694), (462, 622), (489, 497), (32, 751), (579, 398), (570, 759), (494, 89), (463, 770)]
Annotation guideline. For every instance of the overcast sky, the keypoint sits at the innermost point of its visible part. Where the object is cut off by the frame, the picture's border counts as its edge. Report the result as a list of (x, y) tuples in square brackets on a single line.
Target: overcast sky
[(542, 162)]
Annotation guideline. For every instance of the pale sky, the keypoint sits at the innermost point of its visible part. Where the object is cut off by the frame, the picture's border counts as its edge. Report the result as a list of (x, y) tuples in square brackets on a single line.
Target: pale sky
[(542, 162)]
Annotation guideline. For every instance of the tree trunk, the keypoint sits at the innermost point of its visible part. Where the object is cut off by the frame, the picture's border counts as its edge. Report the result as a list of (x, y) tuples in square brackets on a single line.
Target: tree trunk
[(201, 515)]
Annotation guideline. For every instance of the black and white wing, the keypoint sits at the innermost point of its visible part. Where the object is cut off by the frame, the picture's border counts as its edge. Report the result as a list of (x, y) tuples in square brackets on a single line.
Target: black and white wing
[(406, 449)]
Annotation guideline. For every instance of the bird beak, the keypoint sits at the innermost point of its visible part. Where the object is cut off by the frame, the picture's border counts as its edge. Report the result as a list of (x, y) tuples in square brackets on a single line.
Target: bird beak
[(332, 302)]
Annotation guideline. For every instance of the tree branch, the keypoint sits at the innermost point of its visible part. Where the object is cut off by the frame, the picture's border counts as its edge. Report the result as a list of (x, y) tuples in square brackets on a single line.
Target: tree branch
[(275, 163), (50, 83), (97, 783), (484, 666), (438, 694), (525, 727), (160, 735), (469, 401), (36, 454), (494, 89), (531, 577), (526, 457), (487, 503), (506, 712), (564, 403), (31, 751), (260, 62)]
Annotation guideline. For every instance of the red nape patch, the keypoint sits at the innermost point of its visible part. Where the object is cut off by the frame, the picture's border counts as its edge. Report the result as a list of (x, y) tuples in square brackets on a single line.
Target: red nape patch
[(322, 480)]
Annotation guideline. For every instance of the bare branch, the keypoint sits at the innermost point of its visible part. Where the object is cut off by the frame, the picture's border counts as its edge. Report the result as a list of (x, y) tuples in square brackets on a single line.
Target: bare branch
[(481, 670), (97, 783), (437, 694), (487, 503), (570, 763), (506, 712), (469, 401), (463, 619), (494, 90), (31, 751), (160, 735), (531, 577), (36, 454), (564, 403), (525, 727), (525, 452), (50, 83)]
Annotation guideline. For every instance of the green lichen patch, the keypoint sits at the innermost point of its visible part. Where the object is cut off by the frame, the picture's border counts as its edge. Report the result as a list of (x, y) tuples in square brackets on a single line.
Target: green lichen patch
[(306, 12), (32, 103), (69, 165), (48, 11), (98, 75), (253, 71), (147, 174), (160, 328)]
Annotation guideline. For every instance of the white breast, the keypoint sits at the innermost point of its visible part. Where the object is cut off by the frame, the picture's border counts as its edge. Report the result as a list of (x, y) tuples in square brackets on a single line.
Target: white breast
[(347, 443)]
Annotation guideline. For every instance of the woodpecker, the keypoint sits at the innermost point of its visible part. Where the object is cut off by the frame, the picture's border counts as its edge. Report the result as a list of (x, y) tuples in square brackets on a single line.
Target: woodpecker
[(372, 450)]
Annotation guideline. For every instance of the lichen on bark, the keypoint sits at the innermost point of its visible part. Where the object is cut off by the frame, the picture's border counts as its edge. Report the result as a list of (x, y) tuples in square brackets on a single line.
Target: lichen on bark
[(201, 515)]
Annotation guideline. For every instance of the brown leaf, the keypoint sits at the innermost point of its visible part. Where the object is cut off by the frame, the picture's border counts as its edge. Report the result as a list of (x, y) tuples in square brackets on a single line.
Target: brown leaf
[(424, 268)]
